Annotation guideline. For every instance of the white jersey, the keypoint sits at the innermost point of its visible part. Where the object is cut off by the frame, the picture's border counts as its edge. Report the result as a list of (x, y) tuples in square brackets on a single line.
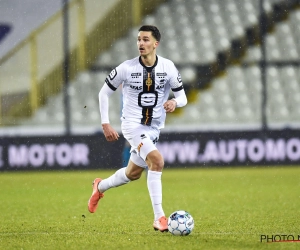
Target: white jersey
[(145, 89)]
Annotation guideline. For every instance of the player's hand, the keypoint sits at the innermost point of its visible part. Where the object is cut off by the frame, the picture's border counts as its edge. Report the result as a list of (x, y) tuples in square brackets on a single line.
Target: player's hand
[(109, 133), (170, 105)]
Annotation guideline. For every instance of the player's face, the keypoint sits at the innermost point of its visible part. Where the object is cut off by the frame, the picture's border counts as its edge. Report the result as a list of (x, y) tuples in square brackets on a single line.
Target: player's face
[(146, 43)]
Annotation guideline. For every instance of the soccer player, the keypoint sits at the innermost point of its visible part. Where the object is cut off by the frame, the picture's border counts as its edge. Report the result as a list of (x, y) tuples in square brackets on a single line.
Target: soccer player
[(147, 81)]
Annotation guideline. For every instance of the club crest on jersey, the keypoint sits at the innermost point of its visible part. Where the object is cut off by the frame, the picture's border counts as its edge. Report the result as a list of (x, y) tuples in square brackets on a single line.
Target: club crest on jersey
[(149, 82)]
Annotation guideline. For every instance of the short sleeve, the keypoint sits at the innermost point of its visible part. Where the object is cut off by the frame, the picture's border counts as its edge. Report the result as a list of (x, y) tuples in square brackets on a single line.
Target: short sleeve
[(175, 78), (116, 77)]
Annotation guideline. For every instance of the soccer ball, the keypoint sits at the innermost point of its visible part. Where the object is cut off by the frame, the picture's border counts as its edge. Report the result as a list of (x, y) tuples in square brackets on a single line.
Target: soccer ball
[(180, 223)]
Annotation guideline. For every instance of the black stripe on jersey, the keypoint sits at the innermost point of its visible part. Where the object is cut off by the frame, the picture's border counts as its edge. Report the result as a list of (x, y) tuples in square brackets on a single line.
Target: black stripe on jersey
[(147, 116), (110, 85), (177, 89), (148, 87)]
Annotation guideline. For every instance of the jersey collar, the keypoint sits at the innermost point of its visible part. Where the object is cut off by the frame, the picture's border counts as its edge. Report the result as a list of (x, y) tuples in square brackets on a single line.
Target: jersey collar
[(149, 69)]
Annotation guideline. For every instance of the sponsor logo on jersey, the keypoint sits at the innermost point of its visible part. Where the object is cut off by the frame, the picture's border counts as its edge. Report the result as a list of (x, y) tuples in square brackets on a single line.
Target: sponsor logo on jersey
[(155, 140), (113, 74), (147, 100), (179, 78), (136, 87), (136, 75), (161, 84), (161, 74)]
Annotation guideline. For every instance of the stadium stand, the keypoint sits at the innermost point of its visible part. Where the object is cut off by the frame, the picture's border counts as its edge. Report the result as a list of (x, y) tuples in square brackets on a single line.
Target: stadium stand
[(216, 46), (23, 17), (234, 98)]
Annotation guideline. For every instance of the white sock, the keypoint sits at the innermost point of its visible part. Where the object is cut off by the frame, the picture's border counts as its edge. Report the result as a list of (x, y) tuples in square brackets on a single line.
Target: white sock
[(155, 191), (117, 179)]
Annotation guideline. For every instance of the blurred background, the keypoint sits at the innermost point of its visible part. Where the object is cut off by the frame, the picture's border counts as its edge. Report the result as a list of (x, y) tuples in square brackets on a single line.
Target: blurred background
[(239, 61)]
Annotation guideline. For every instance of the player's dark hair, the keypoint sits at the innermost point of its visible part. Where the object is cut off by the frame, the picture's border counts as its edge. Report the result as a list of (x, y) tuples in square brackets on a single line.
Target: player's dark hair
[(154, 31)]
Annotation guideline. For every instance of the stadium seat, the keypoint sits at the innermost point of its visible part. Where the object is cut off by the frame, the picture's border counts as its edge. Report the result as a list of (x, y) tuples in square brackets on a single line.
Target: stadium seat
[(272, 48), (247, 12), (254, 87), (294, 21), (286, 42), (253, 55)]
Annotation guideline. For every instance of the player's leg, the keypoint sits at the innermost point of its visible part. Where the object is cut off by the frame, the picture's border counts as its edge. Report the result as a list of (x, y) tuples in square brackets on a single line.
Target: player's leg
[(133, 171), (149, 153), (120, 177), (156, 163), (142, 139)]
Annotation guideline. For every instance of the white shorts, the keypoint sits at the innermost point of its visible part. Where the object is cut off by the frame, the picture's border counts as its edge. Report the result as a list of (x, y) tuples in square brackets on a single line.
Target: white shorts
[(142, 140)]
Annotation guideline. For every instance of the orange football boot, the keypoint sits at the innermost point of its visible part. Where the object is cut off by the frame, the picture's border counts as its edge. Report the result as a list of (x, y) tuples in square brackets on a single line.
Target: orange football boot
[(95, 197), (161, 224)]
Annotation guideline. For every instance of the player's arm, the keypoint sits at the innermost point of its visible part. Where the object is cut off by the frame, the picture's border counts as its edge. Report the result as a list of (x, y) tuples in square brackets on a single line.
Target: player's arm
[(109, 132), (180, 100)]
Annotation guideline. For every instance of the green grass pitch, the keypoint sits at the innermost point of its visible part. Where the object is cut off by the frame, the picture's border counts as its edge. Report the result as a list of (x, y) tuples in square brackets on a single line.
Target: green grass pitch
[(232, 208)]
